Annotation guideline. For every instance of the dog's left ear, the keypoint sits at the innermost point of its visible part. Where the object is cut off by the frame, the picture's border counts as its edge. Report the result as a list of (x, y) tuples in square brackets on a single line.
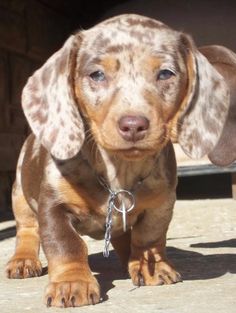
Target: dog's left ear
[(204, 109)]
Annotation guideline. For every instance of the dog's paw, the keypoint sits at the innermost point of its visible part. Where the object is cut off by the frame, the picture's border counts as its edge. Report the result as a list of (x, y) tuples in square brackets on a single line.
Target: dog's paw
[(153, 274), (72, 294), (23, 268)]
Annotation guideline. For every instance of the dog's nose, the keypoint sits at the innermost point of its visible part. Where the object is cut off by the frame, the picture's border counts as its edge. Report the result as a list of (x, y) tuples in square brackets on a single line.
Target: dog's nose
[(133, 128)]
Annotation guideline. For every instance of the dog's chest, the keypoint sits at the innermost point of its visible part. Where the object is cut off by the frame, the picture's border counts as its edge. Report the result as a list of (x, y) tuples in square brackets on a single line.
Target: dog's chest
[(94, 218), (96, 221)]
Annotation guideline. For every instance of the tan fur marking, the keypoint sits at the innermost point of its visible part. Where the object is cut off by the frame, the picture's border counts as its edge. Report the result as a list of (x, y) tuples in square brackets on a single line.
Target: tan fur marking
[(70, 195), (110, 64)]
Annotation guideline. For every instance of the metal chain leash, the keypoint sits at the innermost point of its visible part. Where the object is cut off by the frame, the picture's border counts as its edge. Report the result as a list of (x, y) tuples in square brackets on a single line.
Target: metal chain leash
[(122, 209), (107, 237)]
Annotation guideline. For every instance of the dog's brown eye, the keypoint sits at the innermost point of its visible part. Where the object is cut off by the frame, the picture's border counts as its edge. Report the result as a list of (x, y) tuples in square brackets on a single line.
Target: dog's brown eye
[(165, 74), (98, 76)]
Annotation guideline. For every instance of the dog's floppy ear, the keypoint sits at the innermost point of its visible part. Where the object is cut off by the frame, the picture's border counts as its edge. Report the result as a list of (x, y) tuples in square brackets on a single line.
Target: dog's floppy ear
[(49, 103), (205, 107), (224, 61)]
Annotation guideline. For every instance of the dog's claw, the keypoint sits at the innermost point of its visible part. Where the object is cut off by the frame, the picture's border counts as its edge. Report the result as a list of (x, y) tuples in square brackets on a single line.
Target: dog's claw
[(141, 281), (49, 302), (92, 299), (179, 278), (63, 302), (72, 300)]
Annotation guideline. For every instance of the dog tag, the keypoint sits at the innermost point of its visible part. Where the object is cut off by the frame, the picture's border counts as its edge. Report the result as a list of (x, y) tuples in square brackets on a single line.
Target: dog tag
[(123, 209), (124, 194)]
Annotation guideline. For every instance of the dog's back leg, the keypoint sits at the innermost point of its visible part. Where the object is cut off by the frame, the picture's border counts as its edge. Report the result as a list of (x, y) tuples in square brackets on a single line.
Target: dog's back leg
[(25, 261)]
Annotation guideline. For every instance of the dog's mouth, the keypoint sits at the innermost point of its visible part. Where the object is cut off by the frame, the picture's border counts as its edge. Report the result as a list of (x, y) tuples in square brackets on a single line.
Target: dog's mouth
[(132, 153)]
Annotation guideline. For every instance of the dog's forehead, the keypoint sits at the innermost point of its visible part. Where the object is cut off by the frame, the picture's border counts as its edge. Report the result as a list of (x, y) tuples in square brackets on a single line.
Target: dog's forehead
[(130, 30)]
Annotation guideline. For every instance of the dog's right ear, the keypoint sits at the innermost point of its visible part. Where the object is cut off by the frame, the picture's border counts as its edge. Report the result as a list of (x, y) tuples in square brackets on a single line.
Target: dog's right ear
[(224, 61), (204, 110), (49, 103)]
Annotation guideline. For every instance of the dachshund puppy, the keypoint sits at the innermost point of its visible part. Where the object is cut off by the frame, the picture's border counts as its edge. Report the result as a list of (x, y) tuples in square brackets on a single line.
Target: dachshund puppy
[(103, 111)]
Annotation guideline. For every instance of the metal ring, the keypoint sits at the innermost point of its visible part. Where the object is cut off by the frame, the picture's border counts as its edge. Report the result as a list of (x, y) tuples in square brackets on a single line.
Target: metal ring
[(131, 197)]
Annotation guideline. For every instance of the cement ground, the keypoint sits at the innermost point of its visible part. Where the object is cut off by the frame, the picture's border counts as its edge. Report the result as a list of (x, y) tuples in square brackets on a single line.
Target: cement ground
[(201, 244)]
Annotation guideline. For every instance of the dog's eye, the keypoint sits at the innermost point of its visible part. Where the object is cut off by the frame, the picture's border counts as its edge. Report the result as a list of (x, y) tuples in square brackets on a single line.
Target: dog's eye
[(165, 74), (97, 76)]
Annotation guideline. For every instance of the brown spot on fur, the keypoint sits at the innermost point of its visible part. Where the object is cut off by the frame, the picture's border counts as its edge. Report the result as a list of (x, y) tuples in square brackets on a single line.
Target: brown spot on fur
[(147, 23), (85, 58), (101, 42), (115, 48), (40, 116), (216, 84), (53, 135), (46, 76), (138, 35), (61, 63), (163, 48), (72, 137), (58, 107), (117, 65)]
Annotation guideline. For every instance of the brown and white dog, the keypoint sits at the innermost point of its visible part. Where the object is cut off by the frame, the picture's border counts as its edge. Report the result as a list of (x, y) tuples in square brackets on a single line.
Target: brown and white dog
[(103, 111)]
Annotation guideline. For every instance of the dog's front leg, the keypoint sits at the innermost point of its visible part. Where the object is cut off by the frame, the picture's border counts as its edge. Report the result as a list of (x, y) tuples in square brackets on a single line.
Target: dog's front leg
[(148, 264), (71, 281)]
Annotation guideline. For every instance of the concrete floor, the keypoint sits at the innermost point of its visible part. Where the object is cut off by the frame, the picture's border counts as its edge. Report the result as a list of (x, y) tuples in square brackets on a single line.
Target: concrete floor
[(201, 244)]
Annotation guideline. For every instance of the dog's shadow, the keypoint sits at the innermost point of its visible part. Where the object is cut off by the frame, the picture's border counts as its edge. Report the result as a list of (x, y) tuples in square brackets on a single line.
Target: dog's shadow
[(191, 264), (106, 271)]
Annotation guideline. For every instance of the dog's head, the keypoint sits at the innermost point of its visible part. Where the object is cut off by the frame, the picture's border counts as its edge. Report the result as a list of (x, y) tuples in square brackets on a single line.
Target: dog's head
[(136, 82)]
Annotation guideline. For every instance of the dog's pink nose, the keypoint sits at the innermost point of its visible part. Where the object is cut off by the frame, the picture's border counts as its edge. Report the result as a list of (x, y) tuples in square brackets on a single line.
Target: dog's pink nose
[(133, 128)]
